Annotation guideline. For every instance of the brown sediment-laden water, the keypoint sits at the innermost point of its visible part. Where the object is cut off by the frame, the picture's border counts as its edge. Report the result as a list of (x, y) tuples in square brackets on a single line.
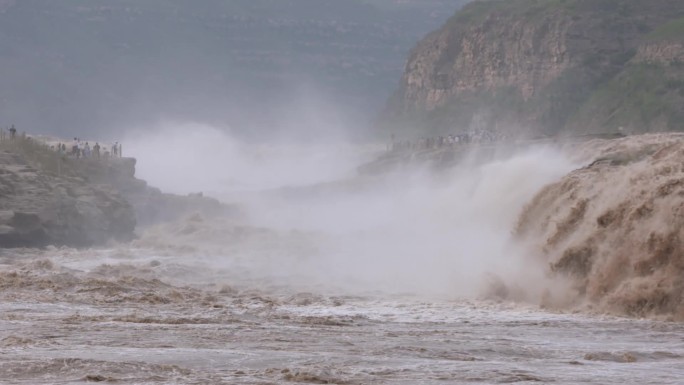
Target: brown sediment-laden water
[(117, 316), (458, 276), (615, 227)]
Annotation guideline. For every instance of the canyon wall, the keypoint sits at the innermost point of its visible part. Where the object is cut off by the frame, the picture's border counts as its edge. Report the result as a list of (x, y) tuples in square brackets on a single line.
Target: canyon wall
[(538, 68)]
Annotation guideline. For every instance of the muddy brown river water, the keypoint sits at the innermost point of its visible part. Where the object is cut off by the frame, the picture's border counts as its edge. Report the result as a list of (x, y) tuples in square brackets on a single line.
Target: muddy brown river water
[(73, 317)]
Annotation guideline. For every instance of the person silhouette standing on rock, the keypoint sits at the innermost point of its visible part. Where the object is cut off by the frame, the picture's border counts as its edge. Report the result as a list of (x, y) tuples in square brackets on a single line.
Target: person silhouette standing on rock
[(13, 132)]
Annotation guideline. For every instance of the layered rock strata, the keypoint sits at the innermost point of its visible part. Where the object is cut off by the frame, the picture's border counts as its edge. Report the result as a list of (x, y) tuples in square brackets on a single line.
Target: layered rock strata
[(533, 68)]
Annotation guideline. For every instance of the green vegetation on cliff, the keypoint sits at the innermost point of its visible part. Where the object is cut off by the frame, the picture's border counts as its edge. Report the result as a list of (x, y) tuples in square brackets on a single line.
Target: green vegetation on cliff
[(547, 67), (648, 93), (644, 97), (672, 30)]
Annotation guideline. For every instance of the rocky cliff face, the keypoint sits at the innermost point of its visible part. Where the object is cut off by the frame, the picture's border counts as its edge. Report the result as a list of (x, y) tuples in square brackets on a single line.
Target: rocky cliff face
[(525, 67), (661, 53), (486, 57), (50, 199), (39, 209), (150, 204)]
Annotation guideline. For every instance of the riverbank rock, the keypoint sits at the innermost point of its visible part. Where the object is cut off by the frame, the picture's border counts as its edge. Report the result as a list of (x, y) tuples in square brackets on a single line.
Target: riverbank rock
[(47, 198), (39, 209), (151, 205)]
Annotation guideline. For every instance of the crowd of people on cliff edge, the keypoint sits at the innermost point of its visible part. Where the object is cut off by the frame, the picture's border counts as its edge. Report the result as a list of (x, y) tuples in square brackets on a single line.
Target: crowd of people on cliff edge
[(438, 142), (81, 149), (76, 149)]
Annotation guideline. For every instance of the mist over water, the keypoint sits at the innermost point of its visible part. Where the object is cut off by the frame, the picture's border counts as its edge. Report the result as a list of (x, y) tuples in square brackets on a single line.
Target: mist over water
[(418, 231), (189, 157), (324, 276)]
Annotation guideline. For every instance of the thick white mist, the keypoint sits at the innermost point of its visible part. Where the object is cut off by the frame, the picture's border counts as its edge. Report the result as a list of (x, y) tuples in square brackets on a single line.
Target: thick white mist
[(441, 233), (420, 232), (185, 158)]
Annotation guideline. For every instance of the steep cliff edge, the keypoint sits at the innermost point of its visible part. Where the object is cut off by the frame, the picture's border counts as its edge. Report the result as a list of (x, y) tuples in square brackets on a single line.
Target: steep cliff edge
[(48, 198), (150, 204), (530, 68), (40, 206)]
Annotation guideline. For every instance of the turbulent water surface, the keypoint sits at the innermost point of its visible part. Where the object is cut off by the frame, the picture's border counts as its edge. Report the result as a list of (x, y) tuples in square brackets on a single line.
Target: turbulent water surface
[(363, 282), (110, 316)]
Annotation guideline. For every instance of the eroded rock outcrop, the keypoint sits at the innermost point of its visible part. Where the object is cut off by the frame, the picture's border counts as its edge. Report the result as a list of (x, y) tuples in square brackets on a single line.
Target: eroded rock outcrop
[(150, 204), (526, 67), (39, 209), (51, 199)]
